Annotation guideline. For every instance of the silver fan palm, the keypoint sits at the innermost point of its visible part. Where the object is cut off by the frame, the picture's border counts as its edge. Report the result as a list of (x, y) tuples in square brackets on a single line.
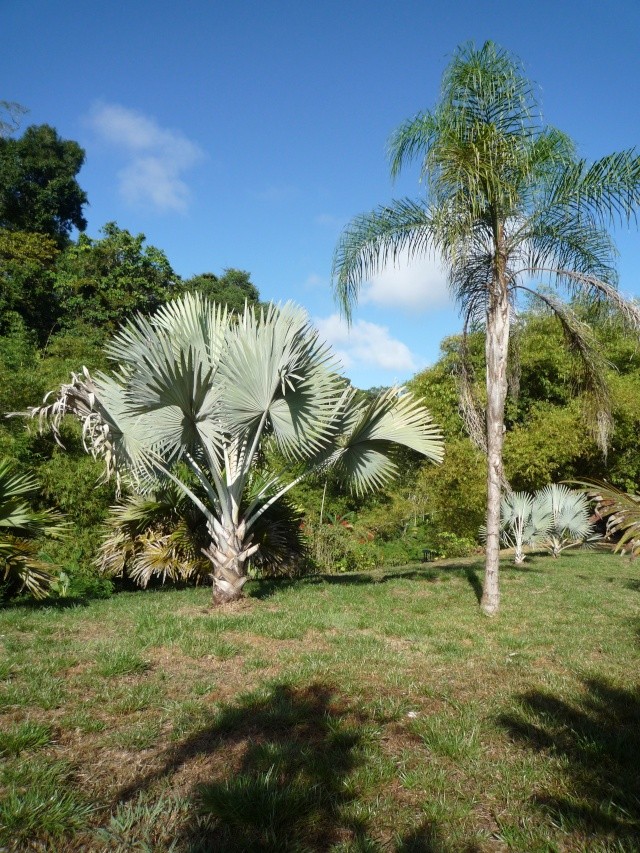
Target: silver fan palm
[(195, 385)]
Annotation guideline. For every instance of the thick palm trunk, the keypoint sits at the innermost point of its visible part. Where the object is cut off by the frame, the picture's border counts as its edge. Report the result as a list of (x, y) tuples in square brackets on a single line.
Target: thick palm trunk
[(497, 345), (228, 552)]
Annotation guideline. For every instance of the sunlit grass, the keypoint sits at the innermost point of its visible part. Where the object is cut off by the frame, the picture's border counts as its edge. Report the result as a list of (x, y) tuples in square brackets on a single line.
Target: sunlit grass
[(375, 711)]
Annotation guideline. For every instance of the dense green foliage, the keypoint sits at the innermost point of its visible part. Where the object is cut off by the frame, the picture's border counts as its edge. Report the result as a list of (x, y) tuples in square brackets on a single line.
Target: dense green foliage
[(101, 283), (233, 288), (38, 187), (549, 436)]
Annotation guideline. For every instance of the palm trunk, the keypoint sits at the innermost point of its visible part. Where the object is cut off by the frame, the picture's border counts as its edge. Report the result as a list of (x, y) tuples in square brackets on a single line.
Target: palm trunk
[(497, 344), (228, 552)]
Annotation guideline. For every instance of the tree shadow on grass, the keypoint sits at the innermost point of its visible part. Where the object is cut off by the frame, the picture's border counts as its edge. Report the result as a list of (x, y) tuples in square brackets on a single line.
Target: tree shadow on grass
[(474, 582), (428, 839), (599, 741), (261, 589), (276, 774)]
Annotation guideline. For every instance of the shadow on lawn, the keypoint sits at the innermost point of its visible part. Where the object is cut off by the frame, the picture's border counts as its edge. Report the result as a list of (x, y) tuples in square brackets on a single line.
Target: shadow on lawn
[(261, 589), (599, 740), (277, 776)]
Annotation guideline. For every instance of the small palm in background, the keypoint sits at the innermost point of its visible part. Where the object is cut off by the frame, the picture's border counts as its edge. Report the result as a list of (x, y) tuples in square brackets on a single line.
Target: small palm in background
[(569, 514), (22, 529), (522, 522), (554, 519)]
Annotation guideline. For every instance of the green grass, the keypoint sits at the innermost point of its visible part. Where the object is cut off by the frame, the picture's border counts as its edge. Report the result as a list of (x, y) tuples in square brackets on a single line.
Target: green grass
[(364, 712)]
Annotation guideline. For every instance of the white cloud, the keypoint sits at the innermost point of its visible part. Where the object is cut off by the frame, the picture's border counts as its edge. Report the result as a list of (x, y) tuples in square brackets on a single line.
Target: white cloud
[(365, 344), (276, 193), (329, 220), (157, 157), (316, 282), (416, 285)]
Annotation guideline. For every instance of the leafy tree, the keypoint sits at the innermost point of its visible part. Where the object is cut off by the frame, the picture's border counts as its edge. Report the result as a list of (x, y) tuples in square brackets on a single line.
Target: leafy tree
[(26, 281), (38, 187), (233, 288), (66, 481), (508, 204), (457, 490), (11, 113), (21, 528), (551, 444), (190, 385), (101, 283)]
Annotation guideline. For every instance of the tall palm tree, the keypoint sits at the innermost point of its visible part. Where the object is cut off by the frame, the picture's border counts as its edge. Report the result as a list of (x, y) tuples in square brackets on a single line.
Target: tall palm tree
[(509, 207), (194, 385)]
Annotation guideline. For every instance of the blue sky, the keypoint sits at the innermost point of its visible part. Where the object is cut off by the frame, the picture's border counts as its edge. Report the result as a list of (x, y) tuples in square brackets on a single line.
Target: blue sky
[(246, 134)]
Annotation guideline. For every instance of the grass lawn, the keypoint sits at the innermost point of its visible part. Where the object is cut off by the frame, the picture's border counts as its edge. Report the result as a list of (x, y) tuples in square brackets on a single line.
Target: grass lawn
[(362, 712)]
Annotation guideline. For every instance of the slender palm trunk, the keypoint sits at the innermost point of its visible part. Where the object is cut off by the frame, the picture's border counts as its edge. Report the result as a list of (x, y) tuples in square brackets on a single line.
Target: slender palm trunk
[(228, 552), (497, 345)]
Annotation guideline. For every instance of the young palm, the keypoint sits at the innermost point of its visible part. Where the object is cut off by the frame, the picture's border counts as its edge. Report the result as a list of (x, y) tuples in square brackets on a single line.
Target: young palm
[(569, 524), (196, 386), (523, 522), (509, 206), (21, 529)]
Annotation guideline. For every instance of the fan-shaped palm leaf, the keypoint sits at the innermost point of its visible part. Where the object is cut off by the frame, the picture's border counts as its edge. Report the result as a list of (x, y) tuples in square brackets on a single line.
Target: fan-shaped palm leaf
[(21, 528), (569, 514)]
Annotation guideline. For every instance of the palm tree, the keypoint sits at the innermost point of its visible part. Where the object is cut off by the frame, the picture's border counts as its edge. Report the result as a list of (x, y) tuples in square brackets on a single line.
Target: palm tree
[(522, 522), (21, 530), (162, 535), (509, 207), (569, 517), (194, 385)]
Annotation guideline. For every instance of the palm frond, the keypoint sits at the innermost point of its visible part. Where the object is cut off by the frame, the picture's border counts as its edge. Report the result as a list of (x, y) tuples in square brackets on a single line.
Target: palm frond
[(21, 527), (279, 374), (394, 418), (608, 190), (621, 511), (19, 563), (411, 140), (372, 240)]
